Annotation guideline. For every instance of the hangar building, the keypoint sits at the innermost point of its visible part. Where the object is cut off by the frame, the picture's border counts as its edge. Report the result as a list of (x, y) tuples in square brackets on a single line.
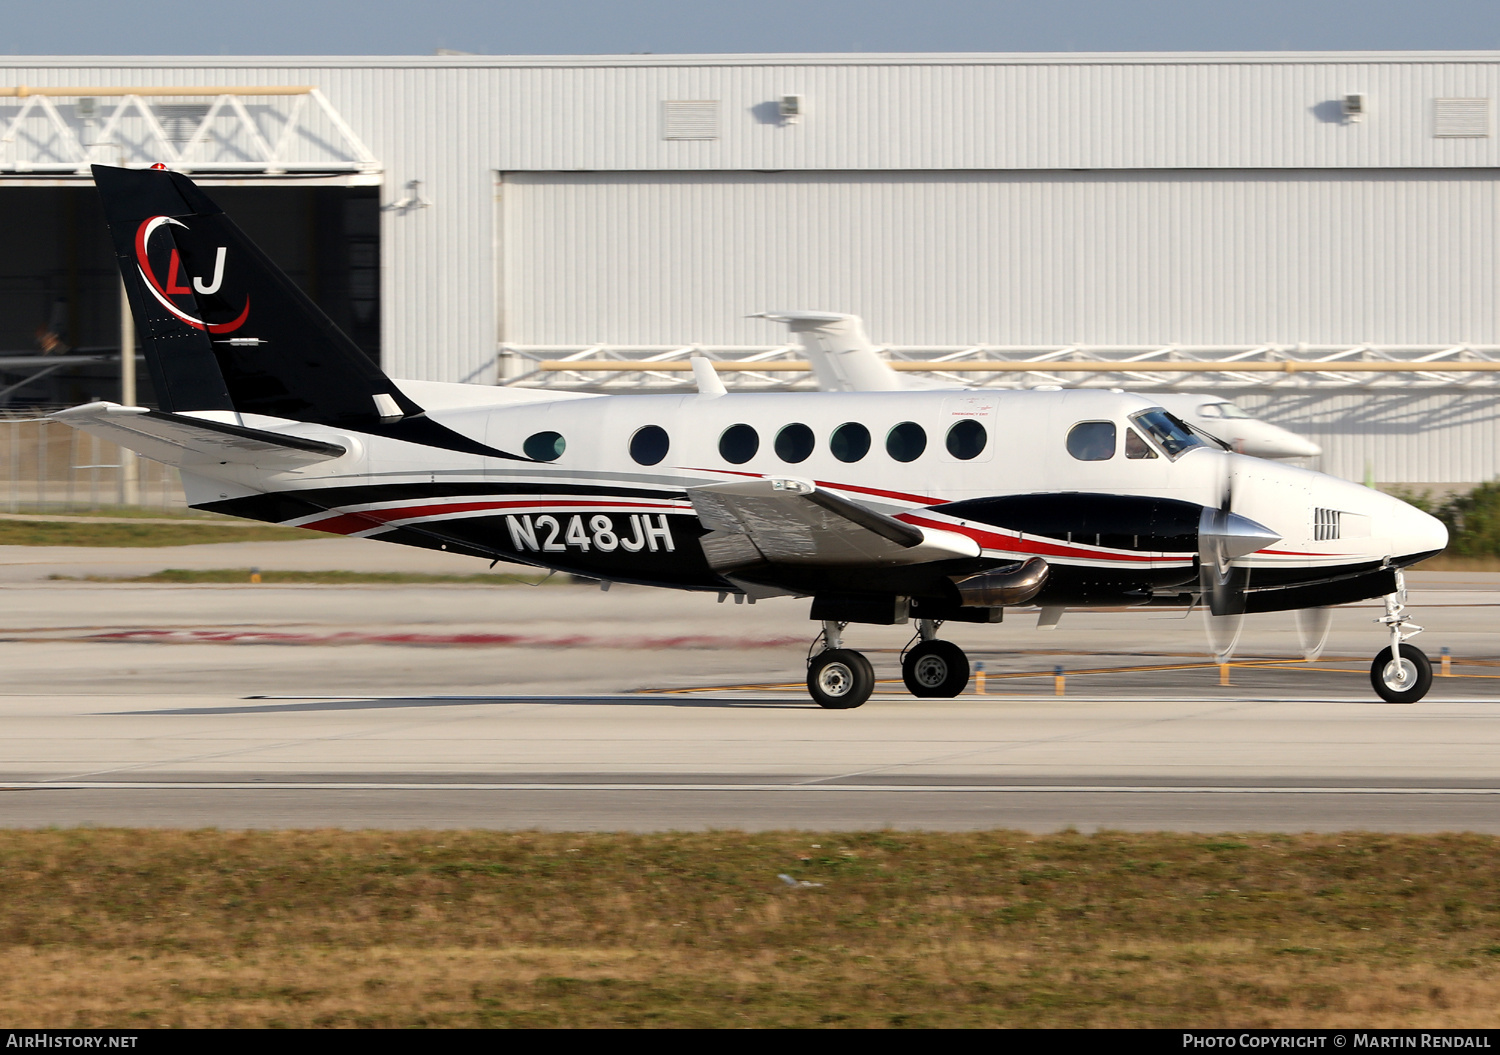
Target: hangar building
[(467, 217)]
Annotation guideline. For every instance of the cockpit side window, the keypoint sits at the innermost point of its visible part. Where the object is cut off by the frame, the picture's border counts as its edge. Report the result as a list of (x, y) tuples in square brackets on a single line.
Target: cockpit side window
[(1169, 433), (1135, 447), (1092, 441)]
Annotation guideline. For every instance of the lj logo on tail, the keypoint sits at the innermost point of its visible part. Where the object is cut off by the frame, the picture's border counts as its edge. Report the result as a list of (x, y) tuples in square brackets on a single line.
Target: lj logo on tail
[(168, 295)]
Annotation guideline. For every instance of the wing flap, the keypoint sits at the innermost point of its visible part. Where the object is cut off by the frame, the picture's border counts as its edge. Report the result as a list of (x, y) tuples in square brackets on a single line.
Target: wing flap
[(787, 520), (183, 440)]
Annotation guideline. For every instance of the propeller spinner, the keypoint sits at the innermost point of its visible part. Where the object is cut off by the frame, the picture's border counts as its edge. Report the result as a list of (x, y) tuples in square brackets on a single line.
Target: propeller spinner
[(1224, 535)]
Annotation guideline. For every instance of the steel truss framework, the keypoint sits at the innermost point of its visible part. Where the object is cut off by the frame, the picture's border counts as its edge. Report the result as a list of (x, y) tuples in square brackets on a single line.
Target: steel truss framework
[(245, 131), (1243, 368)]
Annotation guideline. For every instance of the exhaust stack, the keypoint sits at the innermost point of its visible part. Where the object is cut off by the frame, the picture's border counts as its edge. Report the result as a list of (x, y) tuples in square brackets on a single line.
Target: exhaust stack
[(1004, 586)]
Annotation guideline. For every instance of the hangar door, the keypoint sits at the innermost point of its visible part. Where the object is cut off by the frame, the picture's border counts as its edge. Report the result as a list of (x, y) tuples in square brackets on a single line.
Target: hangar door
[(59, 288)]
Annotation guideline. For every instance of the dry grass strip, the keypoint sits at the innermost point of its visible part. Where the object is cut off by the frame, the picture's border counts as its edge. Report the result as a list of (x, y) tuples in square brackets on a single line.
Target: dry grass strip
[(157, 928)]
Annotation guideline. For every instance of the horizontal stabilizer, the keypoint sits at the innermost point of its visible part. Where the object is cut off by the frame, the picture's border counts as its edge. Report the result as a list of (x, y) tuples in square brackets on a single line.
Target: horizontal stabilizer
[(787, 520), (184, 440)]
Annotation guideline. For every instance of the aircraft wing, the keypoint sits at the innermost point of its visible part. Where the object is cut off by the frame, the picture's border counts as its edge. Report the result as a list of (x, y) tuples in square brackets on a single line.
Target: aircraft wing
[(178, 439), (787, 520)]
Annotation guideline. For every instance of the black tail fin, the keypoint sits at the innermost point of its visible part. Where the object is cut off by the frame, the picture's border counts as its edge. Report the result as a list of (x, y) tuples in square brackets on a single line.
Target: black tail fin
[(223, 328)]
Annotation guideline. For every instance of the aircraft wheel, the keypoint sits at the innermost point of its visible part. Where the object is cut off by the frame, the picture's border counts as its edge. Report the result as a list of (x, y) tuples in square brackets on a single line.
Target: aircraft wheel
[(935, 669), (1406, 682), (840, 679)]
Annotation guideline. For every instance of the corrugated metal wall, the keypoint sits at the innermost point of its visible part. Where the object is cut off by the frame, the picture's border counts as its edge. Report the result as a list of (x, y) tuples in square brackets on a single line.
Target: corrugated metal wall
[(1199, 257), (1225, 201), (1393, 437), (870, 112)]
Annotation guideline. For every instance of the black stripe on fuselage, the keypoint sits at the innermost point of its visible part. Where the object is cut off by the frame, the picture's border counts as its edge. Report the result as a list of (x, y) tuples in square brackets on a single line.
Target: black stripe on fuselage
[(487, 536), (1122, 522)]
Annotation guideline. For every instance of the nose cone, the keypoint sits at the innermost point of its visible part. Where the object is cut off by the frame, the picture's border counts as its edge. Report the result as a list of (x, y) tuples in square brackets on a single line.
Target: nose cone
[(1414, 533), (1265, 440), (1296, 446)]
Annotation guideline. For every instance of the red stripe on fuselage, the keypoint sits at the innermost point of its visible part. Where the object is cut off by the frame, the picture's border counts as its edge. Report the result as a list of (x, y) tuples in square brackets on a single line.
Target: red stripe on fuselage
[(365, 520), (1000, 541)]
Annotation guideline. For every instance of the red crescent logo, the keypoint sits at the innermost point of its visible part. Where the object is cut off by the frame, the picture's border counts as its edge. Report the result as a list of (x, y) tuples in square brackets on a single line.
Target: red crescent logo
[(153, 285)]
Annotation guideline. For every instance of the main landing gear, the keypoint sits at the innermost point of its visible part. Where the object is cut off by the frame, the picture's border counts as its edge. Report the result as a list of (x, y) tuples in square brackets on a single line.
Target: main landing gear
[(1401, 673), (840, 678)]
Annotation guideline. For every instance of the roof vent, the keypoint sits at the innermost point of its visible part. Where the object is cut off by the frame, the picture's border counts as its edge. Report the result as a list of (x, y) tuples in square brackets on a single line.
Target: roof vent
[(180, 120), (1461, 118), (690, 119)]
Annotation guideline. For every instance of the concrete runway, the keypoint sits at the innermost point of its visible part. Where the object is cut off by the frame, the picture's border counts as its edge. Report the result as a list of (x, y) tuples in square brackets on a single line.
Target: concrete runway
[(563, 707)]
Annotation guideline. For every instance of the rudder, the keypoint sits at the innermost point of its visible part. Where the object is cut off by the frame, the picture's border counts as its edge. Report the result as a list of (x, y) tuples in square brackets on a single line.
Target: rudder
[(223, 328)]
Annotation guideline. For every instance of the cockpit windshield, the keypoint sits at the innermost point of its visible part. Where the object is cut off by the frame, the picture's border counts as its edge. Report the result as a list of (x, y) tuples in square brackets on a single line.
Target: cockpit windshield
[(1170, 434)]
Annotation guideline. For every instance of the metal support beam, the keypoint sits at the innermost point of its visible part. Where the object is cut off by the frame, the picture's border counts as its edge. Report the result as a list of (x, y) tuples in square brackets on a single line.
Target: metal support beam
[(1244, 367), (129, 466), (307, 137)]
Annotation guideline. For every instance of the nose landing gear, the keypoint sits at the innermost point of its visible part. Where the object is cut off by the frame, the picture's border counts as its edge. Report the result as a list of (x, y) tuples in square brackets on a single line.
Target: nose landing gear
[(1401, 673)]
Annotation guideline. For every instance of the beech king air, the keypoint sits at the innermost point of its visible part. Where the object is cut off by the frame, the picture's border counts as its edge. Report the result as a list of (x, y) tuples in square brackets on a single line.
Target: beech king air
[(883, 507)]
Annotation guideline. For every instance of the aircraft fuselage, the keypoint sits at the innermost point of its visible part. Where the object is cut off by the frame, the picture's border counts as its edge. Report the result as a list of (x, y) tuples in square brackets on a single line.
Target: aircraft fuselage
[(1117, 526)]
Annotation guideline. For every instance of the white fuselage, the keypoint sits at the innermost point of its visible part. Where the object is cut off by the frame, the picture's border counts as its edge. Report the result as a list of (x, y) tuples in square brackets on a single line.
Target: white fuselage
[(544, 512)]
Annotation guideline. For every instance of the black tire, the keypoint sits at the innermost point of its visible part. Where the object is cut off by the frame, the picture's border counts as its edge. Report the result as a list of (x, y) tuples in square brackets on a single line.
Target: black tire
[(935, 669), (840, 679), (1418, 678)]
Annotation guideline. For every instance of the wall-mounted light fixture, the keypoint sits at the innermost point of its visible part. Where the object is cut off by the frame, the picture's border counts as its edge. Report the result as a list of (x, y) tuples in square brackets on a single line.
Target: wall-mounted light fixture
[(791, 108), (413, 199), (1356, 105)]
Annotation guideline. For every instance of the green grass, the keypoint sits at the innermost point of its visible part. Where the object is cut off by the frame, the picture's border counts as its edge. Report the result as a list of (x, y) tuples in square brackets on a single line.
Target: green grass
[(331, 578), (116, 928), (49, 533)]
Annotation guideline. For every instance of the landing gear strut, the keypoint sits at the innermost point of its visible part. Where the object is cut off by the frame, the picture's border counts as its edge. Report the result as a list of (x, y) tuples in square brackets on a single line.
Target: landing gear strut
[(934, 669), (1401, 673), (838, 678)]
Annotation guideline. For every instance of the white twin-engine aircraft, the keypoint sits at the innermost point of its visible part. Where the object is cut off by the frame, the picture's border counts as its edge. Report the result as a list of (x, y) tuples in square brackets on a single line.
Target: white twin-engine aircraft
[(883, 507)]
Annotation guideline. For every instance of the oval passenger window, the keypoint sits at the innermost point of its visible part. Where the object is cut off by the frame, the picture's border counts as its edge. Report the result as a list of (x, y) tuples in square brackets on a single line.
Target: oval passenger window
[(544, 446), (906, 441), (850, 442), (794, 443), (966, 439), (649, 444), (738, 444), (1092, 441)]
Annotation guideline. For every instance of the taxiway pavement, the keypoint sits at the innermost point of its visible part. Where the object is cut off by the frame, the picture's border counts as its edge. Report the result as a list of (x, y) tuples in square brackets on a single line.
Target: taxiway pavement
[(564, 707)]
